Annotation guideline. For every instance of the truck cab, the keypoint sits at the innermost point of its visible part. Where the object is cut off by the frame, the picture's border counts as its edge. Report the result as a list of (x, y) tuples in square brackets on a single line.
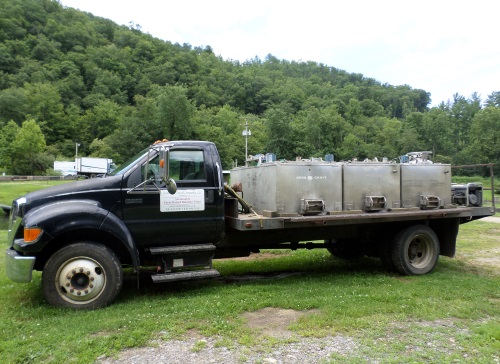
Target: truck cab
[(162, 208)]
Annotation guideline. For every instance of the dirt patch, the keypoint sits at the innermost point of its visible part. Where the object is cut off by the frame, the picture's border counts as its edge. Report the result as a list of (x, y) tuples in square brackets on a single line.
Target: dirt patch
[(495, 219), (271, 321), (487, 259), (102, 334), (493, 262)]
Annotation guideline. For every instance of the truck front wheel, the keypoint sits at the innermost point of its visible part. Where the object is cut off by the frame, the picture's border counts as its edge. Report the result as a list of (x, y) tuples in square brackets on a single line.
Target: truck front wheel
[(83, 275), (415, 250)]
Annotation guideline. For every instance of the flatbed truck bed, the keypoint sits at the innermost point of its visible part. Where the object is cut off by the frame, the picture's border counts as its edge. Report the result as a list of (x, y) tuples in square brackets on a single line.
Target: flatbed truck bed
[(253, 221)]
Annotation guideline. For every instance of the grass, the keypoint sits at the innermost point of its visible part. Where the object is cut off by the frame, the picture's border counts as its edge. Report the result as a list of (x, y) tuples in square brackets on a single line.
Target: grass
[(450, 315), (486, 181), (12, 190)]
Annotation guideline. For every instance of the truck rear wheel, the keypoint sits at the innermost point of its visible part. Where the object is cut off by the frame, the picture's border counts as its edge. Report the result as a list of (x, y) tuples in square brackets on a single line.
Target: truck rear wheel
[(83, 275), (415, 250)]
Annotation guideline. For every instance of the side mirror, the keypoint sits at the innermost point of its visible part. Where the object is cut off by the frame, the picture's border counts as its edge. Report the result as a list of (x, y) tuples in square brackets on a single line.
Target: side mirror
[(164, 170), (171, 185)]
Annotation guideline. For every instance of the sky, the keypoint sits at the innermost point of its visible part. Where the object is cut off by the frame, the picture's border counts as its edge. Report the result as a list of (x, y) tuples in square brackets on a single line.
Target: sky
[(442, 46)]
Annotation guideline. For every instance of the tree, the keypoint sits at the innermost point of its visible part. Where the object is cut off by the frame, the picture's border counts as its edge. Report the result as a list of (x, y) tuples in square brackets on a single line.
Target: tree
[(493, 99), (13, 105), (27, 150), (462, 112), (136, 130), (7, 136), (385, 137), (485, 136), (352, 147), (174, 112), (100, 121), (437, 132), (279, 133), (100, 148), (46, 108), (409, 141)]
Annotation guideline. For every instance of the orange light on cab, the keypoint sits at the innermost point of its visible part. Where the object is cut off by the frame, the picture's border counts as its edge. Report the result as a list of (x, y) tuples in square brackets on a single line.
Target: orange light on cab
[(31, 234)]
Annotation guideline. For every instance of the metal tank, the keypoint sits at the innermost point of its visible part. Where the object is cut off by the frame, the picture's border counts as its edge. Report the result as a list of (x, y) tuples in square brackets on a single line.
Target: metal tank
[(371, 186), (291, 188), (309, 188), (425, 185)]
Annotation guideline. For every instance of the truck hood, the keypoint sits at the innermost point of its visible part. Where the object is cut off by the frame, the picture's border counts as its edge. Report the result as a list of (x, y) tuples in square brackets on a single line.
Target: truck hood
[(89, 189)]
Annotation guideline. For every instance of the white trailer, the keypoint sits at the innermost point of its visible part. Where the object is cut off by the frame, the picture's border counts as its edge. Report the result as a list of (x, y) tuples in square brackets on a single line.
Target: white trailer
[(67, 168), (92, 167)]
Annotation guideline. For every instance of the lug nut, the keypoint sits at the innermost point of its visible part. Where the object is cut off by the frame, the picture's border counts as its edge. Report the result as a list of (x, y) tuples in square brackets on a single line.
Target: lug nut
[(88, 273), (91, 286), (74, 271), (68, 277), (81, 270), (91, 278), (72, 290), (67, 284), (78, 293), (86, 291)]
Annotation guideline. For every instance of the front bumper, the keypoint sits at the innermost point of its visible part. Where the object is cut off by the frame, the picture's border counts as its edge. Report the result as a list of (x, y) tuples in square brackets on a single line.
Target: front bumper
[(19, 268)]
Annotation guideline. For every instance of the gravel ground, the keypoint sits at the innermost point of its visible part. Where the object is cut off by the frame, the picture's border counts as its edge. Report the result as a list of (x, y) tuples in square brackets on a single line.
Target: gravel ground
[(269, 322), (427, 339), (205, 351)]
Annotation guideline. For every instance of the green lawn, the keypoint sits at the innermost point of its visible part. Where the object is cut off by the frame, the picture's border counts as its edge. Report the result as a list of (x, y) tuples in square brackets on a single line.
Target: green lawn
[(11, 190)]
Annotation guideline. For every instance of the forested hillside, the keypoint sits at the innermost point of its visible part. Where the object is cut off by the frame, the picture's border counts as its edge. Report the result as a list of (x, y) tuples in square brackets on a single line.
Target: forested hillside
[(68, 77)]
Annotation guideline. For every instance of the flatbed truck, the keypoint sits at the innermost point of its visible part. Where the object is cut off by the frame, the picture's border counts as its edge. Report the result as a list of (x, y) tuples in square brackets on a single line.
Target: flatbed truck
[(169, 208)]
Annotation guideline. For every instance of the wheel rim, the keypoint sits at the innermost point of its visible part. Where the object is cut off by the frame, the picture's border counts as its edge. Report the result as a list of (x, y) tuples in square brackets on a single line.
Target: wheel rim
[(80, 280), (420, 251)]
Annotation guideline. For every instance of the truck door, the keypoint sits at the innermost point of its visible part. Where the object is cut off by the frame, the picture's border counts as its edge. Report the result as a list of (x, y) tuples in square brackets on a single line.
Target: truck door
[(191, 215)]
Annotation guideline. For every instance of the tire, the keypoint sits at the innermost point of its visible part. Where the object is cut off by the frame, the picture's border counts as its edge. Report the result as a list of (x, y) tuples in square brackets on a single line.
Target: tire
[(415, 250), (82, 276)]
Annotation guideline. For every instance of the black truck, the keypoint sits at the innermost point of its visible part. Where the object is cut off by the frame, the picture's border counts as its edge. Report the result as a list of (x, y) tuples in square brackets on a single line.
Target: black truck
[(169, 208)]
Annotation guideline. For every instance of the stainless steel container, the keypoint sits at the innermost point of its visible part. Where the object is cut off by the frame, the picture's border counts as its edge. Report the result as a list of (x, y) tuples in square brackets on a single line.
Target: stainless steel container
[(295, 188), (307, 188), (425, 183), (371, 186)]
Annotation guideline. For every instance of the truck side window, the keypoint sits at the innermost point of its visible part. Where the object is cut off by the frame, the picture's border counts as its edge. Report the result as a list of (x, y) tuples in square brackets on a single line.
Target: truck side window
[(187, 165), (153, 169), (184, 165)]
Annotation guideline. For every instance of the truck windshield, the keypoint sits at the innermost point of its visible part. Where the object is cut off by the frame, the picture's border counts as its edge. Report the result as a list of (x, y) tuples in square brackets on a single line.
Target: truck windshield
[(126, 166)]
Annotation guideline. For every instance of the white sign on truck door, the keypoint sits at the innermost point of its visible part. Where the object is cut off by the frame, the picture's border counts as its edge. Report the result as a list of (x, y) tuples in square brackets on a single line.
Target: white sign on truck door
[(182, 200)]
